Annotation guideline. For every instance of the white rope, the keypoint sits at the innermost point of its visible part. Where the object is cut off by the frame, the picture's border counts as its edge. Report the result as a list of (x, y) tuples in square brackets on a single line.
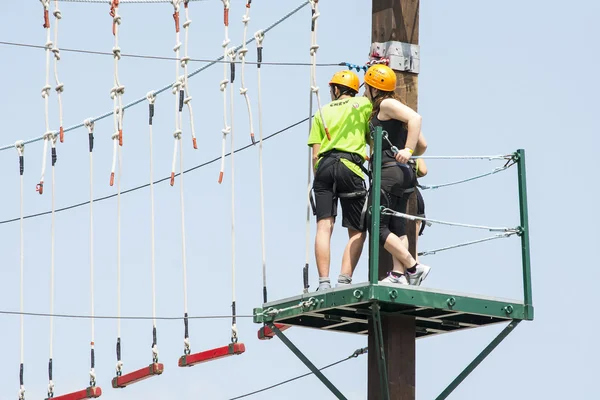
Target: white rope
[(308, 188), (234, 332), (313, 58), (151, 99), (52, 229), (20, 152), (242, 53), (176, 88), (116, 93), (495, 171), (387, 211), (40, 187), (259, 36), (90, 125), (46, 90), (119, 366), (183, 241), (222, 86), (499, 236), (184, 64), (59, 86), (490, 158)]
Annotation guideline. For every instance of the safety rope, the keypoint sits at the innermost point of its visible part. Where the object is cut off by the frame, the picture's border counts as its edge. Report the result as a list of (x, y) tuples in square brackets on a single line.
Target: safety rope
[(387, 211), (151, 99), (490, 158), (313, 58), (308, 199), (59, 86), (131, 318), (52, 229), (177, 88), (242, 52), (259, 37), (184, 63), (456, 246), (90, 126), (46, 90), (20, 146), (169, 86), (453, 183), (234, 332), (223, 85)]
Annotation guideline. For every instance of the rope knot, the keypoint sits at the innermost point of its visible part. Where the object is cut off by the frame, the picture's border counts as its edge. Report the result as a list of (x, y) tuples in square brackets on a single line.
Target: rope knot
[(177, 46), (57, 14), (242, 52), (226, 43), (187, 23), (151, 97), (20, 146), (56, 52), (187, 99), (315, 89), (245, 19), (226, 3), (243, 91), (46, 91), (49, 45), (117, 52), (184, 61), (59, 88), (89, 124), (177, 134), (259, 36), (226, 131), (223, 84)]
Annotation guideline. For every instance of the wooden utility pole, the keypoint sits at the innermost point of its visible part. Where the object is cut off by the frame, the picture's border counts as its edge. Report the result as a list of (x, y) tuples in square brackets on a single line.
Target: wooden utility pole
[(397, 21)]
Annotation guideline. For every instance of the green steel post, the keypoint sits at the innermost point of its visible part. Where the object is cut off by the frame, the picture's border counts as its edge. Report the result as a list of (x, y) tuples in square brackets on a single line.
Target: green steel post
[(307, 362), (380, 352), (525, 255), (375, 204), (490, 347)]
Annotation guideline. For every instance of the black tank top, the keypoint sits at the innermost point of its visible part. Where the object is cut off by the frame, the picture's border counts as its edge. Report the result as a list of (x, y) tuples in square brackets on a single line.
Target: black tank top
[(397, 134)]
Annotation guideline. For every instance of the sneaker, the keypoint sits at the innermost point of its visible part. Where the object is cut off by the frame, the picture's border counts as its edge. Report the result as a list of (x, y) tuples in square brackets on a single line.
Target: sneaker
[(324, 286), (419, 276), (391, 278)]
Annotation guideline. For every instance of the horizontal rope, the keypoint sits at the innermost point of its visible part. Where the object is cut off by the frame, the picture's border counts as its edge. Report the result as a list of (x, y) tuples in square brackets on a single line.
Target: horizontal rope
[(80, 316), (155, 182), (495, 157), (387, 211), (166, 58), (167, 87), (495, 171), (455, 246), (356, 353)]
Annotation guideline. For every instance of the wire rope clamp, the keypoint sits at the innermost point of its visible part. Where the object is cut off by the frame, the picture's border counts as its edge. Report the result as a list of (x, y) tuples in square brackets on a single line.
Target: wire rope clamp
[(402, 56)]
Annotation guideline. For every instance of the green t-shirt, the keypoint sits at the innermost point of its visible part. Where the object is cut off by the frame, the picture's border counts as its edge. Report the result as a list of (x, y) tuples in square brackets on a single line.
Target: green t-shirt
[(348, 124)]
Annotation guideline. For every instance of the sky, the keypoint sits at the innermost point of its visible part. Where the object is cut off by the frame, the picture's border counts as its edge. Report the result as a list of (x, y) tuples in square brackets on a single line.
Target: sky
[(495, 77)]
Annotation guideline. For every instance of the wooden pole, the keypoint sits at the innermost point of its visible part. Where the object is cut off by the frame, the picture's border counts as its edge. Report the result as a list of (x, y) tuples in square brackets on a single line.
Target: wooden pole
[(396, 20)]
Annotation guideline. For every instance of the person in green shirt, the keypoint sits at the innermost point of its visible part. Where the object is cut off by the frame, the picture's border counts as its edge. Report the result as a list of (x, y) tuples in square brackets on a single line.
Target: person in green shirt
[(338, 138)]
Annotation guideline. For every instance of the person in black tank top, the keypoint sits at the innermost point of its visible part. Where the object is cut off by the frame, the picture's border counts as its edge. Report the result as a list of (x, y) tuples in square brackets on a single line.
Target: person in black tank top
[(401, 131)]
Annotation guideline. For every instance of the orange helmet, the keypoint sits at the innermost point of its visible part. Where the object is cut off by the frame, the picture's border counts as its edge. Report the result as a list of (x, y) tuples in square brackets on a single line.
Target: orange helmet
[(346, 78), (381, 77)]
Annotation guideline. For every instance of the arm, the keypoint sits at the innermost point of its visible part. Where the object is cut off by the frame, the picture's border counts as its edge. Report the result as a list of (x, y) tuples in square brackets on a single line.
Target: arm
[(392, 108), (421, 168), (421, 145), (315, 156)]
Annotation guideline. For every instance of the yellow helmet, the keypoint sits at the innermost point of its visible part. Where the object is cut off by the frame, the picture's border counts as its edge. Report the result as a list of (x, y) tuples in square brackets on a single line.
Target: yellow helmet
[(346, 78), (381, 77)]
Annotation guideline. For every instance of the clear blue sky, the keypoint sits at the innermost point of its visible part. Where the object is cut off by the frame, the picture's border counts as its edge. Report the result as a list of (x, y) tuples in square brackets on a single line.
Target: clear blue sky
[(495, 77)]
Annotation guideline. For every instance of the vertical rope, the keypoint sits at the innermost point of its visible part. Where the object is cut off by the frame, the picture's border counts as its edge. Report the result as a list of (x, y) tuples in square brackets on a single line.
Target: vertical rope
[(184, 64), (259, 37), (59, 86), (234, 331), (52, 229), (313, 58), (177, 87), (20, 146), (242, 53), (223, 85), (151, 99), (46, 90), (90, 125), (308, 198)]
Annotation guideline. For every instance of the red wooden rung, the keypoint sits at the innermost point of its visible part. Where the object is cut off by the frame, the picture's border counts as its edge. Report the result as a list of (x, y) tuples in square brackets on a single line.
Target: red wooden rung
[(214, 354), (89, 393), (136, 376), (266, 333)]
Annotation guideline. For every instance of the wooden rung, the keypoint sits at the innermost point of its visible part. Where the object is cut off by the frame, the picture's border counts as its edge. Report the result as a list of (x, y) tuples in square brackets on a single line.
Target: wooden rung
[(89, 393), (210, 355), (137, 376), (266, 333)]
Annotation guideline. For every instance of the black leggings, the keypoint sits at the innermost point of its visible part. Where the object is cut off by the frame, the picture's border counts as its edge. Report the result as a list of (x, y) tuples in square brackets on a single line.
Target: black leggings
[(395, 180)]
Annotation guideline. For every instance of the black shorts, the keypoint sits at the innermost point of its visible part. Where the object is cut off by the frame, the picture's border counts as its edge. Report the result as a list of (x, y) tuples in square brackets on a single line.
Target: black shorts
[(332, 172)]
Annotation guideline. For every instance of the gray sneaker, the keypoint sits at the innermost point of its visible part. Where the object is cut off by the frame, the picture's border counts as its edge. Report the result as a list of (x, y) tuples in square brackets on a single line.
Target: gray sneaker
[(399, 280), (419, 276)]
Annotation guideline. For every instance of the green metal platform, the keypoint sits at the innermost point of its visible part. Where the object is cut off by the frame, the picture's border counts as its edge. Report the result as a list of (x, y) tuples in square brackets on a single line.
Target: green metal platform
[(348, 309)]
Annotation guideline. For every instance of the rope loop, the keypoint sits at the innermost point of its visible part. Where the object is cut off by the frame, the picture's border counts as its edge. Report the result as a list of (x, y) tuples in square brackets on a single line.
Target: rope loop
[(89, 124), (259, 36), (234, 334), (151, 97), (20, 146)]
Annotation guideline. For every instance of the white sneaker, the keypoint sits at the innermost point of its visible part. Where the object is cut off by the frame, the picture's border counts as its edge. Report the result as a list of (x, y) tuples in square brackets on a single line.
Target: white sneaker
[(419, 276), (401, 280)]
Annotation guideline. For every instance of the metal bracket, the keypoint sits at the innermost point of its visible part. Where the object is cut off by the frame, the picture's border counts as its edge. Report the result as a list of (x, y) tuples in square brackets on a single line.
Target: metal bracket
[(402, 56)]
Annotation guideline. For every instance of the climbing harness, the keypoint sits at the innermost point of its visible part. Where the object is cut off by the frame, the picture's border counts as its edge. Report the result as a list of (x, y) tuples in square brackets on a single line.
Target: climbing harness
[(223, 85), (242, 53)]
